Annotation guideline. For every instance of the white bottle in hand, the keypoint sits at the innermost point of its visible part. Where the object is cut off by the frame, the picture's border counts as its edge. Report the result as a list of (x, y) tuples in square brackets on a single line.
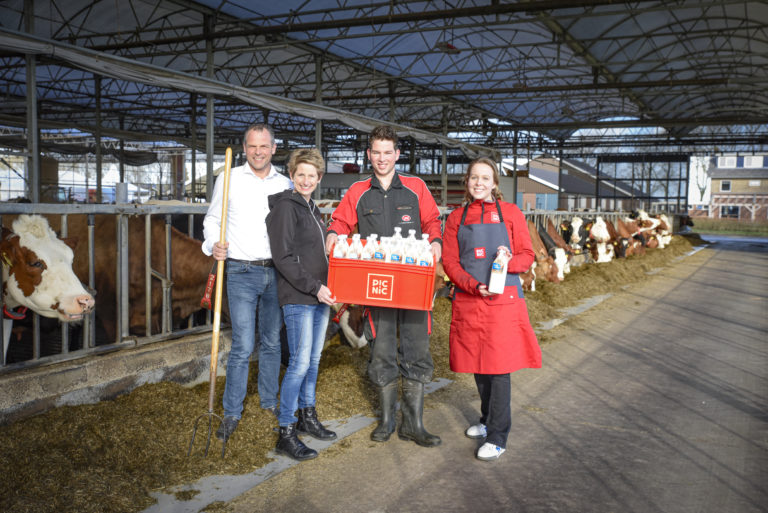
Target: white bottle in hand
[(499, 272)]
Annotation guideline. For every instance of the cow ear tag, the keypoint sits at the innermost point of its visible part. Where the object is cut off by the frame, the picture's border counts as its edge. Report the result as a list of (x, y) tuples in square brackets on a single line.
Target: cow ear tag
[(6, 260)]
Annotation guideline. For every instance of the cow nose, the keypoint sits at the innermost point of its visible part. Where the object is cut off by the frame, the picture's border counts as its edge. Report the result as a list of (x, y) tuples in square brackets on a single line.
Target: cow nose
[(86, 302)]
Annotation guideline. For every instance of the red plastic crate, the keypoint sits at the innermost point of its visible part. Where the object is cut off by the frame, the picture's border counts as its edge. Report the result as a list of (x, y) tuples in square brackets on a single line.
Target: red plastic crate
[(363, 282)]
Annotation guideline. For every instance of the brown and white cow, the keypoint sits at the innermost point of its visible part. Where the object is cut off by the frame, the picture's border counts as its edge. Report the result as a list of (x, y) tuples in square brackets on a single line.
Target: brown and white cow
[(351, 321), (628, 228), (665, 230), (545, 269), (189, 274), (190, 269), (575, 232), (601, 243), (38, 274), (528, 278), (556, 248), (622, 244), (651, 229)]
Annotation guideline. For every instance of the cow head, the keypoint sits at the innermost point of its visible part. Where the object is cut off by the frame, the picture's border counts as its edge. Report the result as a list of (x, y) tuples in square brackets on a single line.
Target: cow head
[(546, 269), (621, 247), (37, 271), (576, 232), (599, 230), (351, 320), (528, 278)]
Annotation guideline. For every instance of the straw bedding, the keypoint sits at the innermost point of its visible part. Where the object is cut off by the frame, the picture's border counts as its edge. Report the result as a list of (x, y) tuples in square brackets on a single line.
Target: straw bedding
[(107, 457)]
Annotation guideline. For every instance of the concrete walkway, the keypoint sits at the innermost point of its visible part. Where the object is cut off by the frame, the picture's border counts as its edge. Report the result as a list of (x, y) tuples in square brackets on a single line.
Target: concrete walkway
[(655, 400)]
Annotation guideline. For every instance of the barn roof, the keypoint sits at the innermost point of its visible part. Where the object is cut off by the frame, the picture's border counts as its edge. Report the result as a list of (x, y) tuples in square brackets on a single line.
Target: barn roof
[(578, 178), (583, 75), (739, 173)]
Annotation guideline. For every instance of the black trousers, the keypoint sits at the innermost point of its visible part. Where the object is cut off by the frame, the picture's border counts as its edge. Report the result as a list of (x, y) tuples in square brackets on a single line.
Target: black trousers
[(494, 390), (411, 357)]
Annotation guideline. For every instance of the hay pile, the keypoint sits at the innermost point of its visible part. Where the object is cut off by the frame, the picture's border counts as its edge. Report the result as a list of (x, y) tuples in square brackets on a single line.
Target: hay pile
[(107, 457)]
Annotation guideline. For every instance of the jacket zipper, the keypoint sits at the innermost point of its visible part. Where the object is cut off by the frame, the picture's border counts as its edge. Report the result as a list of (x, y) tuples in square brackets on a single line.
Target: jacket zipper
[(322, 237)]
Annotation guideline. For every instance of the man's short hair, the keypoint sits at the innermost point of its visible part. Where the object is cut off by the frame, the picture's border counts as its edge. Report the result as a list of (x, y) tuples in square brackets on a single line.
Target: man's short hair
[(258, 127), (384, 133), (311, 156)]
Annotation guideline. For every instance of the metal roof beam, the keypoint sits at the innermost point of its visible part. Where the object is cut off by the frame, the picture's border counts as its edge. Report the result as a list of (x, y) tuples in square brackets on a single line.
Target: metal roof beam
[(486, 10)]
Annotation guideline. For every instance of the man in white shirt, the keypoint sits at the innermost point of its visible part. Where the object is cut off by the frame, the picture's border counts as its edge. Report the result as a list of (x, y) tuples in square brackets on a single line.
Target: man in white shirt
[(251, 276)]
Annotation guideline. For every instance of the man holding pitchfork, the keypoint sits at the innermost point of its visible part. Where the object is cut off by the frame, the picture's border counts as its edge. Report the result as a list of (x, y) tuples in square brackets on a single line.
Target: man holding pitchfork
[(251, 277)]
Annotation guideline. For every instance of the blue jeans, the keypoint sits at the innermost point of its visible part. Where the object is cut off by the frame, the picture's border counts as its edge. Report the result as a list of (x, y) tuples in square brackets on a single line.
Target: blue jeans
[(252, 288), (305, 325)]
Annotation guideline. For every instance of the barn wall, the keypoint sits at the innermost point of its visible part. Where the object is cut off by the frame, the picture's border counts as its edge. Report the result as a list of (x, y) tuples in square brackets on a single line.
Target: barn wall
[(106, 376)]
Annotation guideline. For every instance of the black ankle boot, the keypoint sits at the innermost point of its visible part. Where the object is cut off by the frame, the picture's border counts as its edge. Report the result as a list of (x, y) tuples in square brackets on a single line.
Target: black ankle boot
[(309, 424), (290, 445), (387, 402), (412, 427)]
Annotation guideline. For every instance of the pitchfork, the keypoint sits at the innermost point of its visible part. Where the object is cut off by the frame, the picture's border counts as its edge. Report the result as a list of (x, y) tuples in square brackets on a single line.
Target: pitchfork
[(216, 320)]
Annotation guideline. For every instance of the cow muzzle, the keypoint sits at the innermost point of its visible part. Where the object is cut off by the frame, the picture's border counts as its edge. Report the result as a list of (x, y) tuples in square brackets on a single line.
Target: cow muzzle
[(76, 308)]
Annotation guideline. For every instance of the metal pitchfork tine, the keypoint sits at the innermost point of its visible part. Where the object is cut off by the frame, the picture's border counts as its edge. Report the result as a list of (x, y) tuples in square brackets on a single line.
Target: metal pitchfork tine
[(216, 321)]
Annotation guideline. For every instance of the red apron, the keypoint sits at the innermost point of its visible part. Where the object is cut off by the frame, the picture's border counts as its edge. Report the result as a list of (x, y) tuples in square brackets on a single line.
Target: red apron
[(490, 335)]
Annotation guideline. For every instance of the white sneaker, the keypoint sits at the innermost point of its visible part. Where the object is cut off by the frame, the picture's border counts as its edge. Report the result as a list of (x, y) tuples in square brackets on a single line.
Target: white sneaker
[(489, 452), (476, 431)]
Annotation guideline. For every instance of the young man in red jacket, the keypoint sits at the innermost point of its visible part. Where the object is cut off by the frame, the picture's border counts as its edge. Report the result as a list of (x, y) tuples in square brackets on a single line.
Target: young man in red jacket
[(377, 205)]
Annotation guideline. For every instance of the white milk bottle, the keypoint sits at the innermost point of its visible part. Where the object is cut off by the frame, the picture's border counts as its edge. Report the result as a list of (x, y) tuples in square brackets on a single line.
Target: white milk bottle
[(341, 246), (411, 251), (356, 247), (380, 252), (369, 248), (395, 249), (498, 272), (397, 237), (426, 258)]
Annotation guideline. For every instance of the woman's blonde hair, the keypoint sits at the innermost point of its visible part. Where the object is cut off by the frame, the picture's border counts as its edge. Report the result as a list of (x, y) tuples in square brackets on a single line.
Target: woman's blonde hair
[(495, 193), (311, 156)]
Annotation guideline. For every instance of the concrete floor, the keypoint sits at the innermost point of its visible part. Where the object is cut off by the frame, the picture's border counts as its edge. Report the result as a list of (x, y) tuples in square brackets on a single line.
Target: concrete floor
[(656, 400)]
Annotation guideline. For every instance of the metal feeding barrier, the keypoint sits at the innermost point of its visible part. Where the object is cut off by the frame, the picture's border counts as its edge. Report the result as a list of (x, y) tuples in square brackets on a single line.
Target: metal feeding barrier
[(46, 351)]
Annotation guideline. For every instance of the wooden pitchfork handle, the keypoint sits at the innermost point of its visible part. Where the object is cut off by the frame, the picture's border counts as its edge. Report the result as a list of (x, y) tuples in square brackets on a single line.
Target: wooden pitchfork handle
[(216, 317), (220, 274)]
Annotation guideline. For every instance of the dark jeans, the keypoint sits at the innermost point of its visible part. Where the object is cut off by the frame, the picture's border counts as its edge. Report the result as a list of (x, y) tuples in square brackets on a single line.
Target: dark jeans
[(494, 390)]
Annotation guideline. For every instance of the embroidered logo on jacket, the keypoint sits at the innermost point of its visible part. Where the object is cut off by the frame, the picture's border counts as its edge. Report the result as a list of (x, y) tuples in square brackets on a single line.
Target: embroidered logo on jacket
[(495, 217)]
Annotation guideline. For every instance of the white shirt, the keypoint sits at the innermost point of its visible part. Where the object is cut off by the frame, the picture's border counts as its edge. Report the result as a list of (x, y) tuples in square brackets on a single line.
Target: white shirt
[(246, 212)]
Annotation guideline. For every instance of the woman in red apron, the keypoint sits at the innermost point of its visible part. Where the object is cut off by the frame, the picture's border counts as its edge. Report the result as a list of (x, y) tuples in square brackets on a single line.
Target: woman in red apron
[(491, 335)]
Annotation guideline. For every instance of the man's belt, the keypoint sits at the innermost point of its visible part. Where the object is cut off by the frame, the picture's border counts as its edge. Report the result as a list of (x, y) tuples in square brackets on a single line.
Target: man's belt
[(267, 262)]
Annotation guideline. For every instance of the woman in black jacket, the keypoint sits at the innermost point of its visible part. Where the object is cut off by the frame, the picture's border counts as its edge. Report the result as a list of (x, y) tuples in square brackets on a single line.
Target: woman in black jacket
[(297, 238)]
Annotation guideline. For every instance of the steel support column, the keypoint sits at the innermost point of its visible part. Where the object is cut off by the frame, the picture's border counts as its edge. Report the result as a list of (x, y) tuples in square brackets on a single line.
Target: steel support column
[(444, 164), (514, 170), (193, 136), (559, 174), (209, 110), (97, 134), (33, 135)]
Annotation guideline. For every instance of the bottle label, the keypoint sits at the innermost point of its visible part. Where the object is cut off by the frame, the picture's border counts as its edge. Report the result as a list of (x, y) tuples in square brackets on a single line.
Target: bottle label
[(410, 260)]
